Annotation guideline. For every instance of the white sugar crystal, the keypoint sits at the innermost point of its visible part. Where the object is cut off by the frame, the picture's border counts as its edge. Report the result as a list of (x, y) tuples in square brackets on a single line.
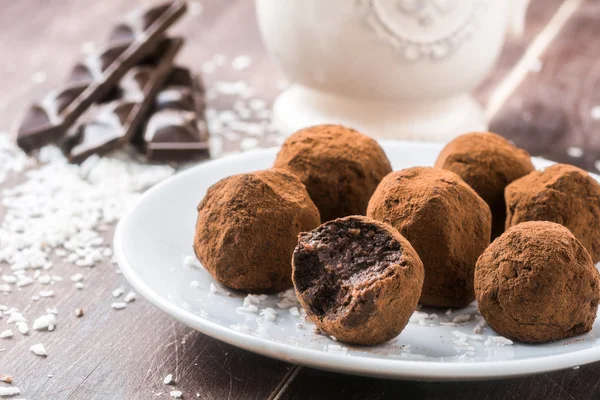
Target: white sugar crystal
[(176, 394), (257, 104), (449, 311), (191, 261), (595, 113), (288, 299), (60, 252), (168, 379), (118, 292), (35, 297), (241, 62), (79, 285), (44, 279), (52, 310), (6, 334), (215, 289), (77, 277), (294, 312), (47, 293), (7, 391), (38, 349), (47, 321), (575, 152), (23, 328), (16, 317), (194, 284), (129, 297), (5, 288), (459, 319), (481, 324), (597, 165), (335, 348), (268, 314), (118, 305)]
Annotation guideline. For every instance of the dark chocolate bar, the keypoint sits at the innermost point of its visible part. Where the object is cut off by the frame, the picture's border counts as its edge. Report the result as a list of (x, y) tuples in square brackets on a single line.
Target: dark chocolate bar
[(176, 130), (113, 123), (94, 79)]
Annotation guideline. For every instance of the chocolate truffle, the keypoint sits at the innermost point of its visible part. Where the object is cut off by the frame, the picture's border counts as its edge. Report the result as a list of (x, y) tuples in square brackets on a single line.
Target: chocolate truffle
[(537, 283), (563, 194), (340, 167), (487, 162), (446, 222), (358, 279), (248, 226)]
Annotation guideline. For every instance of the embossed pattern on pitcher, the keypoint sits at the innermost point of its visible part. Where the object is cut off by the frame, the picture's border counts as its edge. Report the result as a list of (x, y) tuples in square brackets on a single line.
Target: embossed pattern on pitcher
[(423, 29)]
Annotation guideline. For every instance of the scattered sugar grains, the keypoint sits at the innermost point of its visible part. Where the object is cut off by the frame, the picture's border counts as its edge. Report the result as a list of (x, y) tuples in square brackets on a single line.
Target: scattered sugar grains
[(168, 380), (176, 394), (38, 349)]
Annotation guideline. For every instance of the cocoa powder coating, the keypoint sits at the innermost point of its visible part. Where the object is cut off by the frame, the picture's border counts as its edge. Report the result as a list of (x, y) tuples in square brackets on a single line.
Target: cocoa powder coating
[(446, 222), (248, 226), (340, 167), (563, 194), (358, 279), (488, 163), (537, 283)]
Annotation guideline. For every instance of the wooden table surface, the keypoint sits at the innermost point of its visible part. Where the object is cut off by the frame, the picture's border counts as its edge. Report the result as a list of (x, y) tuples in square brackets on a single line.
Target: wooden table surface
[(540, 95)]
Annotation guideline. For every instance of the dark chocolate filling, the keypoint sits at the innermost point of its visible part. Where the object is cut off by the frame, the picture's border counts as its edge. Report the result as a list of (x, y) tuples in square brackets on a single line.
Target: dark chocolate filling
[(337, 261)]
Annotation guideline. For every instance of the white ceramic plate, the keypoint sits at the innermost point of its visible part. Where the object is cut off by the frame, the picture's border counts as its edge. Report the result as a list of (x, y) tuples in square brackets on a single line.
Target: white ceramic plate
[(152, 240)]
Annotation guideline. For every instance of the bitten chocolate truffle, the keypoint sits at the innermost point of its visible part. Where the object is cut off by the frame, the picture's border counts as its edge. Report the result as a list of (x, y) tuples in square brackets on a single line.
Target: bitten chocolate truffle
[(248, 226), (537, 283), (358, 279), (340, 167), (446, 222), (563, 194), (488, 163)]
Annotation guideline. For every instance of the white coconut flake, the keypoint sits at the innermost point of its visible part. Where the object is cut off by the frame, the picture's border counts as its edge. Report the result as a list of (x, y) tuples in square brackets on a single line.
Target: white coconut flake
[(7, 334), (16, 317), (118, 305), (39, 350), (45, 322), (191, 261), (575, 152), (459, 319), (294, 312), (241, 62), (481, 324), (268, 314), (168, 380), (129, 297), (23, 328), (497, 341), (7, 391), (176, 394)]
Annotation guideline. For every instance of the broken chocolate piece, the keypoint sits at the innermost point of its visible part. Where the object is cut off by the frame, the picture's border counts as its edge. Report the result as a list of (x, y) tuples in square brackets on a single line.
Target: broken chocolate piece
[(115, 121), (94, 79), (177, 131)]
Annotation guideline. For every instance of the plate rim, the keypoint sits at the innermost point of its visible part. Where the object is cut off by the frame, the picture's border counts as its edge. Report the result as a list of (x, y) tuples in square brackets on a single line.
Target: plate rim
[(375, 367)]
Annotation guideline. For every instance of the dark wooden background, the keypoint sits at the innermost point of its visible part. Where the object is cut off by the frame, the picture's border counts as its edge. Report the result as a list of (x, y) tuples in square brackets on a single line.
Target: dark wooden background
[(126, 354)]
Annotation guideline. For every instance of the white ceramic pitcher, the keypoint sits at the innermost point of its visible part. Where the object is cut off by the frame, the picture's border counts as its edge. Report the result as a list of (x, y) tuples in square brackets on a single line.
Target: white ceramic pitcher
[(390, 68)]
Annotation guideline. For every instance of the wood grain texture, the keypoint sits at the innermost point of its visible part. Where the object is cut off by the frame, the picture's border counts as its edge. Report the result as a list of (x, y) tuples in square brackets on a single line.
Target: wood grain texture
[(125, 354)]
